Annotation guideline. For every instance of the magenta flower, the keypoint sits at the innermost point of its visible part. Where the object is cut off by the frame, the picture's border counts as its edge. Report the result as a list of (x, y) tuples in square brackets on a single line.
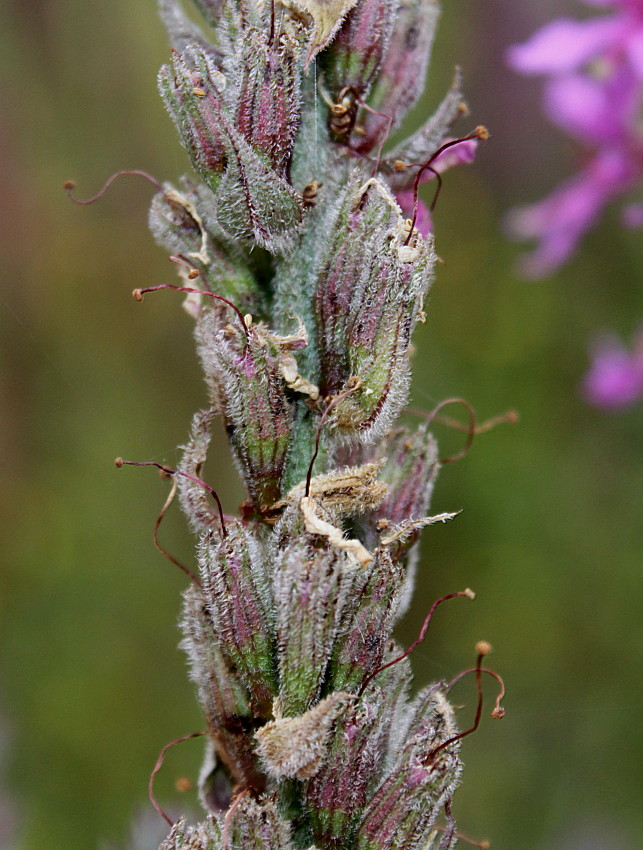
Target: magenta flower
[(594, 92), (615, 378)]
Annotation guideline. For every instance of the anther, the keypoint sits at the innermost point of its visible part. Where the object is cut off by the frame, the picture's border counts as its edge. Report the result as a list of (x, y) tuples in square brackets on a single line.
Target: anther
[(198, 92)]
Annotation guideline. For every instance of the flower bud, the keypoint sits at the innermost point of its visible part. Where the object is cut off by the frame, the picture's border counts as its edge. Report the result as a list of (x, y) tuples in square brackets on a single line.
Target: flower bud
[(236, 595), (369, 296), (355, 55), (202, 836), (366, 621), (192, 92), (254, 824), (402, 74), (248, 388), (183, 222), (410, 471), (310, 587), (268, 100), (405, 807), (223, 697)]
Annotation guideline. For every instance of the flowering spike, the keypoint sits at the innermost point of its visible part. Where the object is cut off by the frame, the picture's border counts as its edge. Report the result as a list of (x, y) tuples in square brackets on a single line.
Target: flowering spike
[(306, 281)]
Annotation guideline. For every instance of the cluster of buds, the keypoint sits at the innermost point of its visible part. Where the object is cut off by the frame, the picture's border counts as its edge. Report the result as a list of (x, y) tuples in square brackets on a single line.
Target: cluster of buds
[(305, 281)]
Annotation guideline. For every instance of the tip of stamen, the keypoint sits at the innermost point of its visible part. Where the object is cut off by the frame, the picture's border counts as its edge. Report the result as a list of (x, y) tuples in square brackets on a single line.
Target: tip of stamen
[(399, 165), (119, 462), (194, 273), (68, 185), (469, 593), (482, 132), (137, 295), (498, 713), (483, 647)]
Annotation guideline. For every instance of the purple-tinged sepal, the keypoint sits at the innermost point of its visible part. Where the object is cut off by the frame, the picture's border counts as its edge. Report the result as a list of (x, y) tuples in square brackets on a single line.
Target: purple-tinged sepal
[(369, 297), (238, 600), (183, 222), (367, 622), (267, 99), (201, 836), (404, 809), (255, 824), (192, 90), (411, 468), (224, 699), (254, 202)]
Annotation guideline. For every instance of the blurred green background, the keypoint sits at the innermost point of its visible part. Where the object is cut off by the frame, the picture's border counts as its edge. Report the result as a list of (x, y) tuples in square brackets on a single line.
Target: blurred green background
[(92, 684)]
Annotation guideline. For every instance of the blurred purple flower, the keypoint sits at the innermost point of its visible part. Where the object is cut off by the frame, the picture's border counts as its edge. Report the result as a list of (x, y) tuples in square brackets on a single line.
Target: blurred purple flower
[(615, 377), (594, 92)]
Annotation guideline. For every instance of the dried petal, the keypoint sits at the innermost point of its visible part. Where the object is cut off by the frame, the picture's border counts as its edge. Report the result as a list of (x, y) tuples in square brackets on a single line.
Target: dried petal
[(296, 747), (327, 16)]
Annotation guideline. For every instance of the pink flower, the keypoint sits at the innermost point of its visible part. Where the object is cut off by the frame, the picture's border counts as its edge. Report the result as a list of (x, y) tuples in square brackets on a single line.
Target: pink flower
[(594, 92), (615, 378)]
